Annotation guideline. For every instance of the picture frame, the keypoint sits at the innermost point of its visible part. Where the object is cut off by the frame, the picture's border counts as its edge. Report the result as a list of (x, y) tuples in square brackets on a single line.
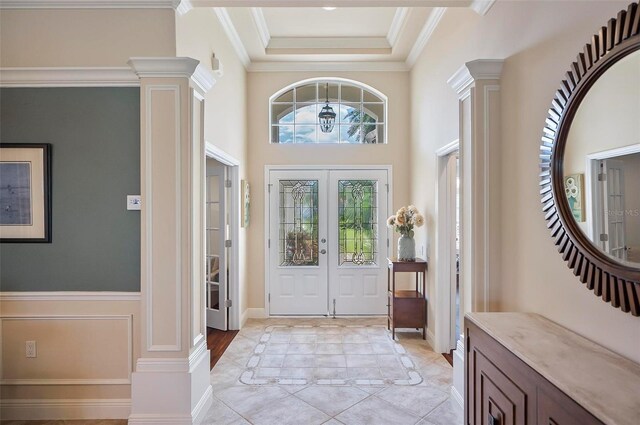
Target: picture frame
[(245, 196), (25, 192), (574, 189)]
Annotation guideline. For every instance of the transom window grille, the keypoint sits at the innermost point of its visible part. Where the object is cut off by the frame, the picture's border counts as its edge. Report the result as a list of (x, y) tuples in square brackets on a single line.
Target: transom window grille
[(298, 222), (358, 221), (360, 113)]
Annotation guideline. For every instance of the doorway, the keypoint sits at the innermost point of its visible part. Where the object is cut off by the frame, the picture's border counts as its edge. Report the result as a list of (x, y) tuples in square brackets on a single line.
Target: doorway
[(222, 223), (612, 202), (448, 254), (327, 241)]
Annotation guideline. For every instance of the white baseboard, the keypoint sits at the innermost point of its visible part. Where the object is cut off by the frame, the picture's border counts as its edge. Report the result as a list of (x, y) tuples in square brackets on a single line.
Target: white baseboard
[(256, 313), (455, 395), (431, 339), (49, 409), (160, 420)]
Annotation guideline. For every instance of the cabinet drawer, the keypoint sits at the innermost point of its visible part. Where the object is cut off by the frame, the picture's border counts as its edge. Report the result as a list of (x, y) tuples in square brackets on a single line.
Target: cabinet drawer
[(555, 408)]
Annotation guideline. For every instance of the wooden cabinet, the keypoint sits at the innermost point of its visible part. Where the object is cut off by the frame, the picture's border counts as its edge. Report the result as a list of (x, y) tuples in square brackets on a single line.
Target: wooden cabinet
[(510, 363), (407, 308)]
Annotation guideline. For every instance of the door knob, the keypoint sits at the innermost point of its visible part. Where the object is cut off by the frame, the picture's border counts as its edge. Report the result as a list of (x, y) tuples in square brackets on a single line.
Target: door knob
[(323, 240), (324, 251)]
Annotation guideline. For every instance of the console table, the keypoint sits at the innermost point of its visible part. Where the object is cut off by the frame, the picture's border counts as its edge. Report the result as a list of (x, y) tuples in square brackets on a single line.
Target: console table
[(407, 308), (521, 368)]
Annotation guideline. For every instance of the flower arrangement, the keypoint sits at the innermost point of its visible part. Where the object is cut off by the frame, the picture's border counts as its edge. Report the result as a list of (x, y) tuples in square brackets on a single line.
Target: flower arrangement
[(405, 219)]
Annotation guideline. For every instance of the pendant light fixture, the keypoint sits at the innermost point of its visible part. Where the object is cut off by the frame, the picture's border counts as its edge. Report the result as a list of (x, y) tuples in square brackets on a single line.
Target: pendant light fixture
[(327, 116)]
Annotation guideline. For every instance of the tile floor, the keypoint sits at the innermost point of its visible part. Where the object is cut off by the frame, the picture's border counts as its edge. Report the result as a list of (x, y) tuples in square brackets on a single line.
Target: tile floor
[(330, 371)]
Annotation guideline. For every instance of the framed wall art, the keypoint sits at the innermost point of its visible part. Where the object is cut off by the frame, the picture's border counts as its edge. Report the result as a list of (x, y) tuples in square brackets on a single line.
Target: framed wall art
[(25, 192), (574, 188), (245, 197)]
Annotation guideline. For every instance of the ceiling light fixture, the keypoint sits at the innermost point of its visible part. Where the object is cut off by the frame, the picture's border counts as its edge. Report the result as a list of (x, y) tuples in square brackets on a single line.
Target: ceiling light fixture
[(327, 116), (329, 8)]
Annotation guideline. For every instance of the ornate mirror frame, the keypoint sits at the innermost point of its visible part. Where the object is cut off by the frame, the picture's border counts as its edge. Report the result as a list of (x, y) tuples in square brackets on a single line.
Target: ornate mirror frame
[(616, 283)]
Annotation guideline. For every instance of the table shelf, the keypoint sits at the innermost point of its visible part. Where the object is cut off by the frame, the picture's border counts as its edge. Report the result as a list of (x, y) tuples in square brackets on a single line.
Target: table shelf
[(407, 308)]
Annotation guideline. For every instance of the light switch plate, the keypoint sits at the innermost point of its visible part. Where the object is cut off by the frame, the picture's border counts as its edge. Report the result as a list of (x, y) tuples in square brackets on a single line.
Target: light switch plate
[(134, 202)]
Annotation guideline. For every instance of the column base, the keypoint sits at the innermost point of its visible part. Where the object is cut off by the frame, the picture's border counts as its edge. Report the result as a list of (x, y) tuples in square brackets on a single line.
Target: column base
[(171, 390)]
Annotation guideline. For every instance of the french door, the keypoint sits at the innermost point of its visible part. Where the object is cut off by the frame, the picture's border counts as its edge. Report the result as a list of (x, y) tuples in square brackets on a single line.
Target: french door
[(216, 280), (328, 242)]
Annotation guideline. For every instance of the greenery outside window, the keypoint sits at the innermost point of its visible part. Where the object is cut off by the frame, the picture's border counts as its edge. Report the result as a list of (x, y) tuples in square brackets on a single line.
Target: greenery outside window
[(361, 113)]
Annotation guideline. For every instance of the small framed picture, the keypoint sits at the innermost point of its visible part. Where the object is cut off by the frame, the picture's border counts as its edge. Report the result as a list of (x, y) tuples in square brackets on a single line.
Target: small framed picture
[(574, 188), (25, 192), (246, 203)]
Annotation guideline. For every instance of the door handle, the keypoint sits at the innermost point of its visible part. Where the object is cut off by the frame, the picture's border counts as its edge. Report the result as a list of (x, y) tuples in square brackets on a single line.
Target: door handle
[(323, 251)]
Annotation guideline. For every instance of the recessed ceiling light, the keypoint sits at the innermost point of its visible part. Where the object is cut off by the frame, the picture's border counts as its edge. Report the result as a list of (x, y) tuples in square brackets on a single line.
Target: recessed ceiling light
[(329, 8)]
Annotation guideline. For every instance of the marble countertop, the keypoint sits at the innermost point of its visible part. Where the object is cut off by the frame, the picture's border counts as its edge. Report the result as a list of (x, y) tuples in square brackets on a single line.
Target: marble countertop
[(604, 383)]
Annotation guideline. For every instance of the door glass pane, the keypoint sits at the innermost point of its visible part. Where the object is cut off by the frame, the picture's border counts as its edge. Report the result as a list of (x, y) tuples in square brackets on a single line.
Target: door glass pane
[(298, 223), (358, 221), (213, 242)]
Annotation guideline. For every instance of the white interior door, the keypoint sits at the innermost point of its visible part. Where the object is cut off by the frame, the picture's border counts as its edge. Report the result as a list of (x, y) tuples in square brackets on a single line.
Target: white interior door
[(216, 280), (614, 209), (357, 242), (298, 242)]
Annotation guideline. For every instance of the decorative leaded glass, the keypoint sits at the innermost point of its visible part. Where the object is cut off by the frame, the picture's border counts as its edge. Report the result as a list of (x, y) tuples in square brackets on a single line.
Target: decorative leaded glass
[(298, 222), (358, 222)]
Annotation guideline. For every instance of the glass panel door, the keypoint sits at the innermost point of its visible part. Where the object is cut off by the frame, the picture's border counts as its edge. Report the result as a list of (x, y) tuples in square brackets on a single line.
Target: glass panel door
[(216, 255)]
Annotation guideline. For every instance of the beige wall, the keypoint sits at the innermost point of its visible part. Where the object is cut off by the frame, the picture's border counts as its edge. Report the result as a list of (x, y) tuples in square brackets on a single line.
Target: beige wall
[(538, 41), (396, 153), (88, 37), (199, 35)]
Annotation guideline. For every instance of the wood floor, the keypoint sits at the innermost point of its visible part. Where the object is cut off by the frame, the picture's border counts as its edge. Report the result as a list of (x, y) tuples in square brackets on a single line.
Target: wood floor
[(449, 357), (217, 343)]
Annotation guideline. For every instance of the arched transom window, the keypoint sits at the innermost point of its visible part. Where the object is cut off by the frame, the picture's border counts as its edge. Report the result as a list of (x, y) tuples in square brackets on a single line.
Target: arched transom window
[(302, 113)]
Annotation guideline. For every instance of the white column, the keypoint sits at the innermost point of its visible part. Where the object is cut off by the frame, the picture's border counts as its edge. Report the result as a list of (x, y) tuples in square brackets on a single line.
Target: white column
[(477, 84), (171, 382)]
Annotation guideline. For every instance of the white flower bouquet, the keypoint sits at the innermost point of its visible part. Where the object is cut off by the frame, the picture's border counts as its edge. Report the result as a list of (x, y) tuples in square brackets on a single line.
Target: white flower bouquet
[(405, 219)]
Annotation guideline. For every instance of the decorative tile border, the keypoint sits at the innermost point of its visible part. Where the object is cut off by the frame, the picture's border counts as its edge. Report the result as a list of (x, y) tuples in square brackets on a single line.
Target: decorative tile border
[(250, 377)]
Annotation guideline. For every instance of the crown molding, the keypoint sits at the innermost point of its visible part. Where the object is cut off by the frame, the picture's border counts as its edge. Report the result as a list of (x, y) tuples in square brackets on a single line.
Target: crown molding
[(68, 77), (232, 34), (328, 66), (328, 45), (261, 25), (321, 3), (174, 67), (90, 4), (480, 69), (397, 25), (184, 7), (481, 7), (423, 38)]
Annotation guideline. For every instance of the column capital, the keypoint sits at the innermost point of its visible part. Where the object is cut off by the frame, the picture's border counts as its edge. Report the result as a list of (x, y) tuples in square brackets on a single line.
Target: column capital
[(470, 72), (173, 67)]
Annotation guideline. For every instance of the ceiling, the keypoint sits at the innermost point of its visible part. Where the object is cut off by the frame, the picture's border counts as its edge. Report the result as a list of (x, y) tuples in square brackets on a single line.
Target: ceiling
[(345, 38)]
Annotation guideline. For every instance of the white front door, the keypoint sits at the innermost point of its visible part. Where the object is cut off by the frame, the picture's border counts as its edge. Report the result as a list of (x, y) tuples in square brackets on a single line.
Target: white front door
[(216, 277), (327, 242)]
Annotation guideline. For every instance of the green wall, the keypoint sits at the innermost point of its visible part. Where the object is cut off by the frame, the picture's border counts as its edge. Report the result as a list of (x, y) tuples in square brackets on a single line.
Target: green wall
[(95, 138)]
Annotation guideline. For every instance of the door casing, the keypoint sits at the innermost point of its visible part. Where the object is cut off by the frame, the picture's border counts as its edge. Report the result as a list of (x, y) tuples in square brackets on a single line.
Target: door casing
[(267, 171)]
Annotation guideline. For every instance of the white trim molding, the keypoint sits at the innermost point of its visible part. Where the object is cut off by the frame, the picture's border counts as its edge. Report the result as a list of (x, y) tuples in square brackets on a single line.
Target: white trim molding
[(481, 69), (69, 296), (232, 35), (423, 38), (261, 25), (68, 77), (327, 66), (149, 67), (89, 4), (52, 409), (481, 7), (397, 25)]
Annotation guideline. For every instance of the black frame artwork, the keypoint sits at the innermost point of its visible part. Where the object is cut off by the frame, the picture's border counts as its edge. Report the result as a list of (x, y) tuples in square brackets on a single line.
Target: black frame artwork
[(25, 192)]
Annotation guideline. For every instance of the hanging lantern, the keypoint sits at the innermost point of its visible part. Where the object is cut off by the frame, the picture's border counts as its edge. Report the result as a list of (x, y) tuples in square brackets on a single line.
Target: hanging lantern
[(327, 116)]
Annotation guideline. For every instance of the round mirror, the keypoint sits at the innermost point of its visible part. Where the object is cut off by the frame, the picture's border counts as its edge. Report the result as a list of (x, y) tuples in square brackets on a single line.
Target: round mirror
[(590, 163), (601, 164)]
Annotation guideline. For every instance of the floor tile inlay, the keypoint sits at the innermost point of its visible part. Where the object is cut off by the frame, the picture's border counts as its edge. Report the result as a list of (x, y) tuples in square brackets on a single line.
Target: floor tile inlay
[(327, 354)]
